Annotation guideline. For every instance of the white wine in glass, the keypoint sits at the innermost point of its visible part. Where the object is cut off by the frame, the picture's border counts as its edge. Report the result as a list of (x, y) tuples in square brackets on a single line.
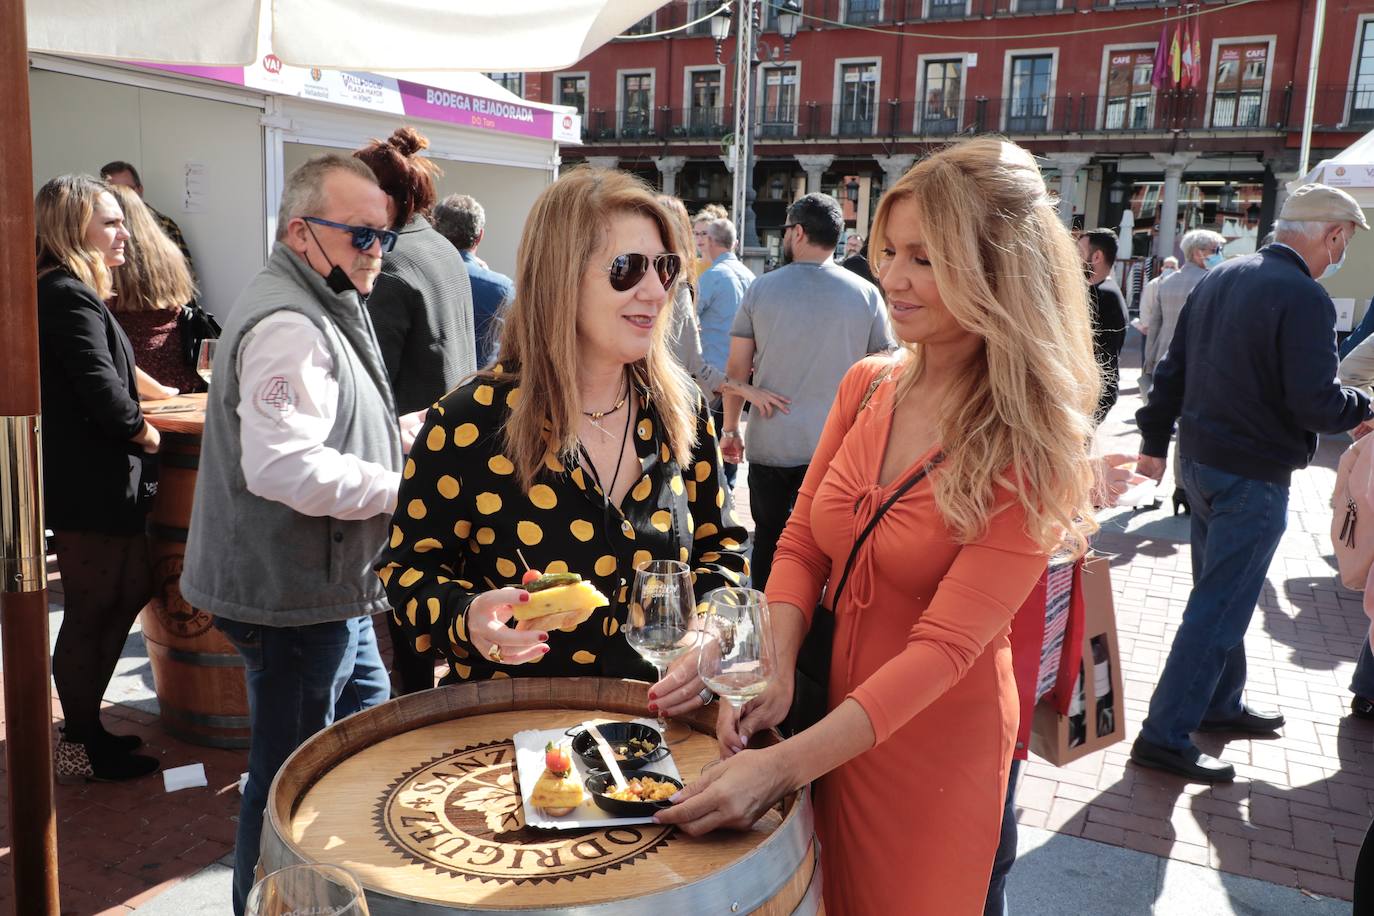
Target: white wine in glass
[(736, 658), (319, 890), (657, 626), (205, 359)]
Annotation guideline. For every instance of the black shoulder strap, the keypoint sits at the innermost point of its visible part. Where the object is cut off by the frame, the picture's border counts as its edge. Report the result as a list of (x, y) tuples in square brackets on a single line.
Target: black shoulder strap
[(916, 477)]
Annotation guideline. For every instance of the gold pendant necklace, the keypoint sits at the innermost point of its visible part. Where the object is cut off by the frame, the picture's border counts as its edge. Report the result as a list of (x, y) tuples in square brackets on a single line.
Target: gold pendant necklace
[(595, 415)]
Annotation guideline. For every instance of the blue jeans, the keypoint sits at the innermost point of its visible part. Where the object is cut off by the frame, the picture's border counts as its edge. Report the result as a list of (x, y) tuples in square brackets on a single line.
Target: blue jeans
[(1362, 684), (1237, 523), (996, 904), (300, 680)]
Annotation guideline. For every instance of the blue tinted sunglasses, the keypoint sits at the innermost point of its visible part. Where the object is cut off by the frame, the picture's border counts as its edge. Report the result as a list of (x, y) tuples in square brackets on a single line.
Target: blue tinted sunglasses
[(363, 236)]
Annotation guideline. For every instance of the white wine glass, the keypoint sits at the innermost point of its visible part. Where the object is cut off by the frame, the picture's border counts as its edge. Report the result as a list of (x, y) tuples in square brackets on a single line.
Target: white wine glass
[(326, 890), (658, 624), (736, 659), (205, 359)]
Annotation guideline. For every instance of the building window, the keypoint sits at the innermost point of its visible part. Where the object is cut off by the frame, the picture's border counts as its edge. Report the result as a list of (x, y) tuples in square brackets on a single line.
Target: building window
[(572, 90), (637, 97), (779, 108), (1238, 89), (858, 99), (858, 12), (1130, 96), (944, 81), (1029, 105), (511, 82), (642, 27), (1362, 103), (1036, 6), (945, 9), (695, 10), (705, 115)]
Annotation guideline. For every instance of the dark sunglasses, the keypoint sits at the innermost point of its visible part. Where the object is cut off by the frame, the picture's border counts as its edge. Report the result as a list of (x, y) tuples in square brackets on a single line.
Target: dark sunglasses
[(363, 236), (628, 269)]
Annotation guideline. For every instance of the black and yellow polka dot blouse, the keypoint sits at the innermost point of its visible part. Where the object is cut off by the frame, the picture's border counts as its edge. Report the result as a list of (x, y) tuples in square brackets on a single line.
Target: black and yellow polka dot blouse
[(461, 515)]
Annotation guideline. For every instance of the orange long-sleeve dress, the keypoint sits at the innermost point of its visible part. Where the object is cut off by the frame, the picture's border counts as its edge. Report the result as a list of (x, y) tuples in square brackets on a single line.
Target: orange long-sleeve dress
[(921, 642)]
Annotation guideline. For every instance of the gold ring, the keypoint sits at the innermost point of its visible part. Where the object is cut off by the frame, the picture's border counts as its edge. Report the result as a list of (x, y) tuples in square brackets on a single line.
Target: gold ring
[(494, 653)]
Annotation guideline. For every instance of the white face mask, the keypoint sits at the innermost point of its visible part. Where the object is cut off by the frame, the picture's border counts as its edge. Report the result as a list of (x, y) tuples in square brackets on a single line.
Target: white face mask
[(1335, 265)]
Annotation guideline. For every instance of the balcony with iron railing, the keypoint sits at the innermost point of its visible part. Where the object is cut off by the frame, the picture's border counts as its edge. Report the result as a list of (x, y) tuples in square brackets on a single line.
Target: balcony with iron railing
[(1079, 114)]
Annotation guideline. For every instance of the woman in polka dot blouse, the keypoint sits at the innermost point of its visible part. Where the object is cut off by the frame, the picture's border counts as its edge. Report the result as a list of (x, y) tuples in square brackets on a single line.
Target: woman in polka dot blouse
[(587, 450)]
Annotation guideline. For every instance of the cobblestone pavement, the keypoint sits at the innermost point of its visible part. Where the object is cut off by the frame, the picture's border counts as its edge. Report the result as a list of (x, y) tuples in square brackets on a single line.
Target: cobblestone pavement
[(1295, 816)]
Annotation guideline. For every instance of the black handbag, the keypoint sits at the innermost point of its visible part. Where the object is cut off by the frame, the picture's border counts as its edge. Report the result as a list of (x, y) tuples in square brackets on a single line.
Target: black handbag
[(196, 325), (811, 686)]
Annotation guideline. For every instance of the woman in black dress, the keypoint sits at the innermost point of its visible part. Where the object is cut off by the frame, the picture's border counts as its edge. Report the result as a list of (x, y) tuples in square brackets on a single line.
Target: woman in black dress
[(587, 450), (100, 469)]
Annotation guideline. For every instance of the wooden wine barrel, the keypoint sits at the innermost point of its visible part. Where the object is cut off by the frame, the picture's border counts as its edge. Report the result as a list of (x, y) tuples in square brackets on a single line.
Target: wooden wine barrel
[(419, 798), (197, 672)]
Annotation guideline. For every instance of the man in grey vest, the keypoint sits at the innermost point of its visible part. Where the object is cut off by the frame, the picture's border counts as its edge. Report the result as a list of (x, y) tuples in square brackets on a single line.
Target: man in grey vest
[(298, 477)]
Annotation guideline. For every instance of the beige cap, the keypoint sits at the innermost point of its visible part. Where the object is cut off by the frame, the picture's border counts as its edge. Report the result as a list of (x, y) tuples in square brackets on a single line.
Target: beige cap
[(1319, 203)]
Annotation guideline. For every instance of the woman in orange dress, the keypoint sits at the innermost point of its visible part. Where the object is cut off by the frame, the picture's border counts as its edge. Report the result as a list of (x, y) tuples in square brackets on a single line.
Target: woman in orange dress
[(993, 390)]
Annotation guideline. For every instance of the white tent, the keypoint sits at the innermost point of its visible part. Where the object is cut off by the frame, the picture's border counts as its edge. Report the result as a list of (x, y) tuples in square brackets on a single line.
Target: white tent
[(378, 35), (1351, 170)]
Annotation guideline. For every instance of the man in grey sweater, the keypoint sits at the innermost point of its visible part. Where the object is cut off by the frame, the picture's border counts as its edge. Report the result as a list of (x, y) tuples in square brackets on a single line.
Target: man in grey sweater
[(298, 478)]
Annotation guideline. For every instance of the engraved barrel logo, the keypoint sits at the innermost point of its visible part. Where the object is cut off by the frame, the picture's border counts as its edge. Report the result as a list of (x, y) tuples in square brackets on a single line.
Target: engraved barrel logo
[(460, 814)]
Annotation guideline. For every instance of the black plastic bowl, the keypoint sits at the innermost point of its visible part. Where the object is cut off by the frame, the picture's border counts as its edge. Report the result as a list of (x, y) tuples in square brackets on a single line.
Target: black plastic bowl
[(598, 783), (616, 734)]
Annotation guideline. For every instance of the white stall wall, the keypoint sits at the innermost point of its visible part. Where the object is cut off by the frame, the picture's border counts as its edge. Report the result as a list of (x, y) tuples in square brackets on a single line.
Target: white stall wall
[(505, 192), (80, 123)]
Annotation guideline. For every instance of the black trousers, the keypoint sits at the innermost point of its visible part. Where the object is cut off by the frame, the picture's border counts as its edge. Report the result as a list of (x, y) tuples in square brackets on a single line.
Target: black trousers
[(772, 493), (1111, 380)]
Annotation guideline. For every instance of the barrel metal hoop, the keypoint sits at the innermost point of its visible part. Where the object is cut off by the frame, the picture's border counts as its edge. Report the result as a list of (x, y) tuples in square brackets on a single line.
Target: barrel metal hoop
[(167, 533), (200, 718), (204, 659), (810, 904), (23, 551), (227, 742)]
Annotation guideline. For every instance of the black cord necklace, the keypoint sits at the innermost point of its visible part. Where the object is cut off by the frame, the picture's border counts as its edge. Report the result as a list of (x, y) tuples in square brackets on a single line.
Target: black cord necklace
[(595, 415), (620, 457)]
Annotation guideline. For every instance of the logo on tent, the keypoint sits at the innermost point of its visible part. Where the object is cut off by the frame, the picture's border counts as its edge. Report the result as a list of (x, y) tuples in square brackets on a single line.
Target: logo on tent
[(272, 63)]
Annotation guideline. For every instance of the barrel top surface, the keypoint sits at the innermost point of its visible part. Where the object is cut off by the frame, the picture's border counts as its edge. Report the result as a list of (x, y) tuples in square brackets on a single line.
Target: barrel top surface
[(434, 814), (182, 413)]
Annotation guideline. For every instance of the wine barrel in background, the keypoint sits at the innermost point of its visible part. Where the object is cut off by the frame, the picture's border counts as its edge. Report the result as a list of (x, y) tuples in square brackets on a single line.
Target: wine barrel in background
[(197, 672), (419, 798)]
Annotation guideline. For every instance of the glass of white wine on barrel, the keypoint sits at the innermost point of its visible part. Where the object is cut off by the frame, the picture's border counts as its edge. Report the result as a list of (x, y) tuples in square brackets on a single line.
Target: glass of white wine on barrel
[(736, 659), (658, 623), (317, 890), (205, 359)]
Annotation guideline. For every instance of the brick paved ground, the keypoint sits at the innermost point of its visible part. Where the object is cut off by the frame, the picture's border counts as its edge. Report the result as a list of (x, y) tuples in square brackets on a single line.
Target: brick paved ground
[(1295, 816)]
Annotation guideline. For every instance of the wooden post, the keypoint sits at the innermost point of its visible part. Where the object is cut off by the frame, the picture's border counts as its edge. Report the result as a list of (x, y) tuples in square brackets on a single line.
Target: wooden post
[(23, 585)]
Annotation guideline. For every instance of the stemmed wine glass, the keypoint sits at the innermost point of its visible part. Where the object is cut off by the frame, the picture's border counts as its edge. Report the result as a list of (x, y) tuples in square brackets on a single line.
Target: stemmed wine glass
[(329, 890), (658, 624), (205, 359), (736, 658)]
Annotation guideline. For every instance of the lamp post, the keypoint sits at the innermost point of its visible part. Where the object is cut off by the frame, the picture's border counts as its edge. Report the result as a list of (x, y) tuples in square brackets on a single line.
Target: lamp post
[(748, 51)]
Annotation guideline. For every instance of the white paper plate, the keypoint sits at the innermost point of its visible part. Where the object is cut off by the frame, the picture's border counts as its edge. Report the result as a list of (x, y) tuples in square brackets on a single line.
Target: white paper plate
[(529, 764)]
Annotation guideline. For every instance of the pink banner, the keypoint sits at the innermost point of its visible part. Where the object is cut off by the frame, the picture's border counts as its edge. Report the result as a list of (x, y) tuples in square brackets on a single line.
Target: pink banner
[(474, 111)]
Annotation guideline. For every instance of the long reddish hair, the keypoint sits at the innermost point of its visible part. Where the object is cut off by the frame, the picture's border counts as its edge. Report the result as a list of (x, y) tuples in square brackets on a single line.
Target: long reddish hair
[(405, 175)]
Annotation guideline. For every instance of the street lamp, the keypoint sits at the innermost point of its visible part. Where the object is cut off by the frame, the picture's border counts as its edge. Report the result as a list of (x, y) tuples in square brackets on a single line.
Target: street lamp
[(720, 28), (789, 20), (1225, 197), (851, 190)]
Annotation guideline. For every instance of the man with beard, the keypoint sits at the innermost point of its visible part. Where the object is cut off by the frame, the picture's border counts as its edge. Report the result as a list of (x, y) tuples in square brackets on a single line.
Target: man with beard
[(1098, 249), (298, 478), (798, 331)]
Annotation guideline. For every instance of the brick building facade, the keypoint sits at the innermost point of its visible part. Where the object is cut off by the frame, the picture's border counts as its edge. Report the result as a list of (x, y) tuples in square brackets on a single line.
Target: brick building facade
[(866, 86)]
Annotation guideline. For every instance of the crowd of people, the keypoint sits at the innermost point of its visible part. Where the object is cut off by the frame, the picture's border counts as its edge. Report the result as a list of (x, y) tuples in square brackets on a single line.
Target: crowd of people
[(394, 428)]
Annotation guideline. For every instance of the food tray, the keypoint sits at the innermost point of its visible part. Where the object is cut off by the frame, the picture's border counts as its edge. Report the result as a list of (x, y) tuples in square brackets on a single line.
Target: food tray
[(529, 764)]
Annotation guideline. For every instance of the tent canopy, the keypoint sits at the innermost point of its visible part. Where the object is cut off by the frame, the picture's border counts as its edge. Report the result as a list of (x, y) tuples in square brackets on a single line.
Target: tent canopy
[(1351, 169), (378, 35)]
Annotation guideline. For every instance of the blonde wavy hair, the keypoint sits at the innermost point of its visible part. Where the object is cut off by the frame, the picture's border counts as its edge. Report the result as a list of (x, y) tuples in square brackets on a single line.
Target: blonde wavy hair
[(564, 229), (154, 274), (1020, 419), (63, 210)]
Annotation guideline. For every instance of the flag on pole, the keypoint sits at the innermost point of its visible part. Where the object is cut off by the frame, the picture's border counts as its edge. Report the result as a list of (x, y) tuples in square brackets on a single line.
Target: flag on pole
[(1176, 55), (1159, 76), (1186, 60), (1197, 52)]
